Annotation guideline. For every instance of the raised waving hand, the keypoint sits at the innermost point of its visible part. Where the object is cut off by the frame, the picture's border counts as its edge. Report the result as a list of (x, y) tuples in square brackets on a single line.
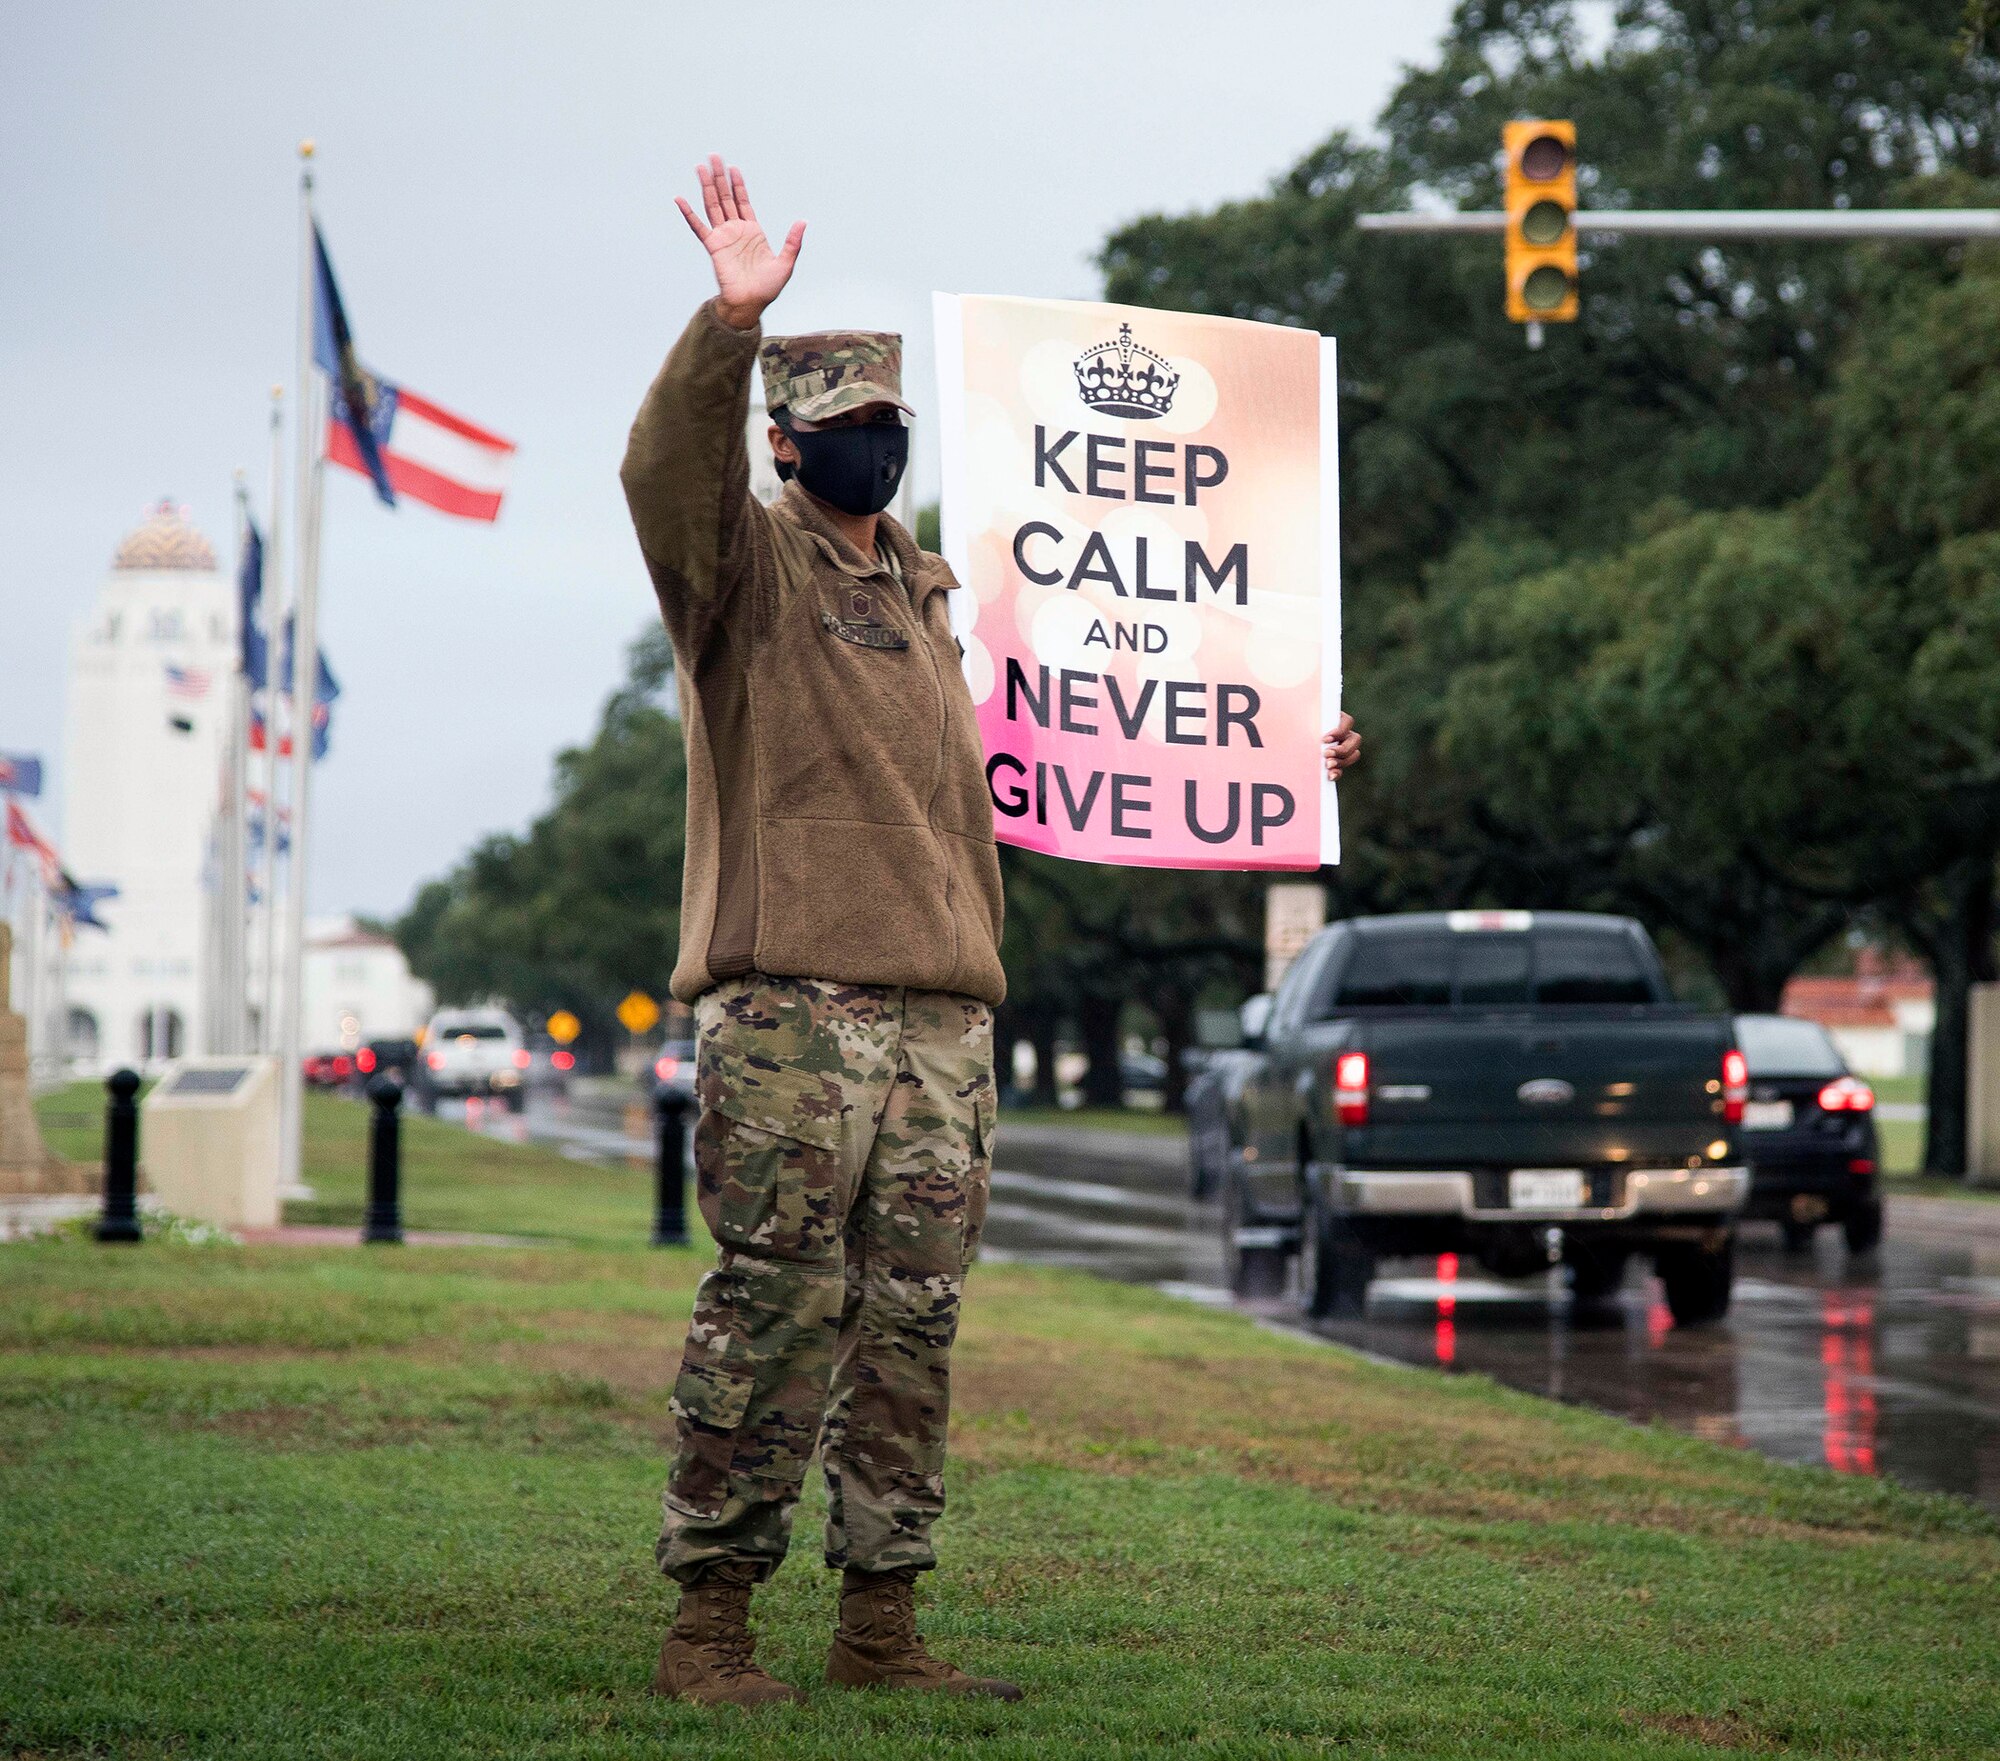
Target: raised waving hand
[(749, 275)]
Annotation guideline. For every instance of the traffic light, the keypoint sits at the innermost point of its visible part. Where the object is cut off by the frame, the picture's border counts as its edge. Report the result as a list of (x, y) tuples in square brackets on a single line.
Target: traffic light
[(1541, 225)]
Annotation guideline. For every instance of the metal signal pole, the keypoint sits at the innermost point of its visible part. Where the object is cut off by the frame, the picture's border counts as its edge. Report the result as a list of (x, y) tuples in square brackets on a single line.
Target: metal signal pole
[(1726, 223)]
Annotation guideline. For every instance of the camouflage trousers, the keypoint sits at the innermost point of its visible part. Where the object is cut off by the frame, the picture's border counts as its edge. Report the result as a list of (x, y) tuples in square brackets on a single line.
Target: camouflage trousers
[(841, 1159)]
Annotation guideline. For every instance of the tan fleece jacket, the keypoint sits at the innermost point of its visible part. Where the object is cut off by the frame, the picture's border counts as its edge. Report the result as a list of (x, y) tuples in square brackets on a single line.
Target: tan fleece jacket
[(838, 823)]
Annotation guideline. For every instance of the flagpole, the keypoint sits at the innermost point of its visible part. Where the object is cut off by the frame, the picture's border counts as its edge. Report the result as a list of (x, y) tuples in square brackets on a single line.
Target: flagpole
[(235, 993), (304, 650), (274, 624)]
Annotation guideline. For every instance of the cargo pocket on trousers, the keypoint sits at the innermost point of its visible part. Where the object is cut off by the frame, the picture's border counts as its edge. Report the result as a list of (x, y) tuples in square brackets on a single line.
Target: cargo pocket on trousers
[(767, 1159), (711, 1396)]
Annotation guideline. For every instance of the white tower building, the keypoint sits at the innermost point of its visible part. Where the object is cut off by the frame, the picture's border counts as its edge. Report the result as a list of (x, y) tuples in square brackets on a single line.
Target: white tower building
[(149, 703)]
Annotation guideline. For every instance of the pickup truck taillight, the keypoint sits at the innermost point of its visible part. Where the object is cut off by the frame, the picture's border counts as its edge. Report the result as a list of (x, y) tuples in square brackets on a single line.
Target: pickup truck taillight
[(1847, 1096), (1735, 1086), (435, 1060), (522, 1059), (1350, 1088)]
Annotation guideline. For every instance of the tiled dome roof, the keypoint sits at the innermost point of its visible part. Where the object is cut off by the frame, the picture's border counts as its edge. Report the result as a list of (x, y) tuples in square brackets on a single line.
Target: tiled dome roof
[(165, 541)]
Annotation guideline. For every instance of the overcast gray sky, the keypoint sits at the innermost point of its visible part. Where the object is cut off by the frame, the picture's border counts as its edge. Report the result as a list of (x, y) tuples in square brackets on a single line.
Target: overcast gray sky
[(496, 184)]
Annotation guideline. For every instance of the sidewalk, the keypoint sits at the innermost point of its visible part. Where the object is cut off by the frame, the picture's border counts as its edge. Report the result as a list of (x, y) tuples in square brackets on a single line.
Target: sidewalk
[(1943, 1220)]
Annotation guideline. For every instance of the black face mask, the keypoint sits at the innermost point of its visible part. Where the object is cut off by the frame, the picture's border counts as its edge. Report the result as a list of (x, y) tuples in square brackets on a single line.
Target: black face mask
[(854, 469)]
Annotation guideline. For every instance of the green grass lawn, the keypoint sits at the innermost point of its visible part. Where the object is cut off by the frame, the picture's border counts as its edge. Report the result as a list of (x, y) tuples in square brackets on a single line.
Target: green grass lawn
[(298, 1503)]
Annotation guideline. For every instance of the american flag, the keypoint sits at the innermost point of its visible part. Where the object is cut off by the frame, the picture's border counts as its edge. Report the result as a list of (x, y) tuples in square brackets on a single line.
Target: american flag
[(187, 682)]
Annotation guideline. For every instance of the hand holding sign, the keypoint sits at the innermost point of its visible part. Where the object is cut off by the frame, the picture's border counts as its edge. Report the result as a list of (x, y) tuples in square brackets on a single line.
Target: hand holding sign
[(1342, 746), (749, 275)]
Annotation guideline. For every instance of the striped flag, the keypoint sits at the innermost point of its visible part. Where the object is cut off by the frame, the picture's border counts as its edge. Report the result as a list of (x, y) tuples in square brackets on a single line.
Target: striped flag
[(427, 453), (402, 443), (188, 683), (21, 834)]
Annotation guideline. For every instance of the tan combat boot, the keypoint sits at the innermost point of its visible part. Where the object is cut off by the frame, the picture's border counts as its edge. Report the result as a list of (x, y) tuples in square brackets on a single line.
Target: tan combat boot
[(709, 1658), (878, 1645)]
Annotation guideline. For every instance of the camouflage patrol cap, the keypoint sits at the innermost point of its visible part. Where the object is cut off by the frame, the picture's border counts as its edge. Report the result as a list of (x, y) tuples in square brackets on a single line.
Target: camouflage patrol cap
[(831, 372)]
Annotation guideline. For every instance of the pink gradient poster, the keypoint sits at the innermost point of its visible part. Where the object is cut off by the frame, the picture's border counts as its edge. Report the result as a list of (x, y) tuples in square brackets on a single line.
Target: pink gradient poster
[(1142, 508)]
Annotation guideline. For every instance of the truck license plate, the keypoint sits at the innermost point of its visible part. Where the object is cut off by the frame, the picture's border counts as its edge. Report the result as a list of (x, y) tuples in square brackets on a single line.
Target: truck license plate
[(1545, 1189), (1766, 1115)]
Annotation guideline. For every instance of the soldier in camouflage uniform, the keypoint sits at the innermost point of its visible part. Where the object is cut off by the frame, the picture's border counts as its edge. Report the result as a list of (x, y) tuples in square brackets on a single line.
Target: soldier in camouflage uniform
[(840, 944), (840, 937)]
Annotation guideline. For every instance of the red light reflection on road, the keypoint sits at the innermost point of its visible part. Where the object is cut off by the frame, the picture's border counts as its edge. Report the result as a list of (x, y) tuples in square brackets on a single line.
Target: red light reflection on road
[(1446, 1344), (1847, 1355)]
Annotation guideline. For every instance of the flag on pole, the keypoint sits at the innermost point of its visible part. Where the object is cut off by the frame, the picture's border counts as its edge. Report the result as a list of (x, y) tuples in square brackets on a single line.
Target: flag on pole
[(20, 774), (284, 829), (77, 905), (430, 455), (325, 689), (354, 387), (188, 683), (249, 601), (404, 444), (22, 835)]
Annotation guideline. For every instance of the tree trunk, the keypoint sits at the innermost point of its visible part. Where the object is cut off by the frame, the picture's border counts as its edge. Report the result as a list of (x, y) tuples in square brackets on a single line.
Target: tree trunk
[(1097, 1022), (1954, 928), (1174, 1005), (1042, 1026), (1753, 986), (1754, 960)]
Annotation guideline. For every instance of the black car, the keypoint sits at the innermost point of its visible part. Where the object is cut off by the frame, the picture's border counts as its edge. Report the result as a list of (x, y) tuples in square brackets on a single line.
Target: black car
[(1808, 1134), (1516, 1086), (1214, 1092)]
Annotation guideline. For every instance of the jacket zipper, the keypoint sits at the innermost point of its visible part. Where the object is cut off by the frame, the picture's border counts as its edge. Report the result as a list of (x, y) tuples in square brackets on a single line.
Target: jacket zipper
[(937, 782)]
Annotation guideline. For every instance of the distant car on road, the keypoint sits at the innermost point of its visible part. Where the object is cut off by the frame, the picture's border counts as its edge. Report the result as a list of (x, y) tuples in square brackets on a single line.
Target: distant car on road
[(1809, 1134), (1142, 1073), (1514, 1086), (475, 1052), (550, 1066), (327, 1069), (1213, 1096)]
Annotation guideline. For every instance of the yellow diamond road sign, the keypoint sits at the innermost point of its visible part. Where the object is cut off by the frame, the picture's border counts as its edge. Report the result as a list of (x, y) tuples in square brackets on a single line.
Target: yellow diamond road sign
[(563, 1027), (638, 1012)]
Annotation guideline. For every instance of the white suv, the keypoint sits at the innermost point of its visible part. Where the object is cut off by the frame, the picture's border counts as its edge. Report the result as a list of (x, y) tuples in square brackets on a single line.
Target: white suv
[(475, 1052)]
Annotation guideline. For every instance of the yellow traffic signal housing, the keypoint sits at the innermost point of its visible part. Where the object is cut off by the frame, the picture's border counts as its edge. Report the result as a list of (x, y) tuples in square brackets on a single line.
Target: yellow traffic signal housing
[(1541, 221)]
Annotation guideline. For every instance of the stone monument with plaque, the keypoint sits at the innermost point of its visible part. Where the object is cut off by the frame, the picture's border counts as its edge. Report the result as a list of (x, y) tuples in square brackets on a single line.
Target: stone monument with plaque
[(209, 1134)]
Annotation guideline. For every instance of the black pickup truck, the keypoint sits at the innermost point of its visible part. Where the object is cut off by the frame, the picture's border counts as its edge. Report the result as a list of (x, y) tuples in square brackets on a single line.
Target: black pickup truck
[(1515, 1086)]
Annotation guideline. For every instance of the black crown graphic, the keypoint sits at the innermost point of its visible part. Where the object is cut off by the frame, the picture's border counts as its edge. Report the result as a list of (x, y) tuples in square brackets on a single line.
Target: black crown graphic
[(1122, 379)]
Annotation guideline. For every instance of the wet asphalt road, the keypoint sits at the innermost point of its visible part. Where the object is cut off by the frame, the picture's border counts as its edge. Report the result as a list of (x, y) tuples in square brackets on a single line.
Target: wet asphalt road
[(1887, 1366)]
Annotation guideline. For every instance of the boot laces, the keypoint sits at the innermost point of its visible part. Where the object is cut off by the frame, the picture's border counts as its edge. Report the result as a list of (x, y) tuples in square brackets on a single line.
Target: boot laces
[(725, 1632)]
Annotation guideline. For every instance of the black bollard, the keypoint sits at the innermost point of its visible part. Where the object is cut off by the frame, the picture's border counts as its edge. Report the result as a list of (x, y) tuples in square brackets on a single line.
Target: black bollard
[(120, 1221), (669, 1176), (384, 1221)]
